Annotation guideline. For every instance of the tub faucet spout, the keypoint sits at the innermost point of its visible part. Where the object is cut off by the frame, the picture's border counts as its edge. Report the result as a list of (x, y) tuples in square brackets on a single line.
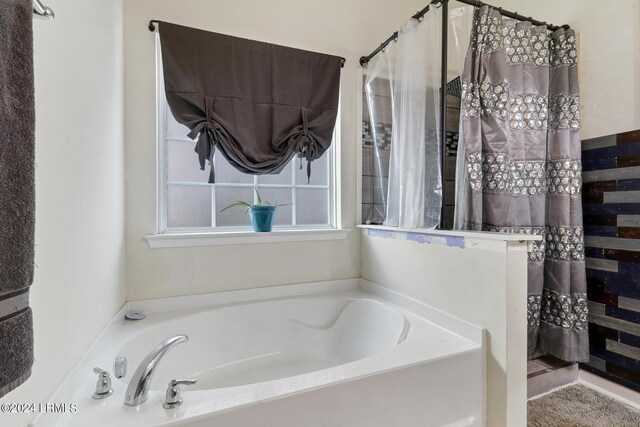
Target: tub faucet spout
[(138, 389)]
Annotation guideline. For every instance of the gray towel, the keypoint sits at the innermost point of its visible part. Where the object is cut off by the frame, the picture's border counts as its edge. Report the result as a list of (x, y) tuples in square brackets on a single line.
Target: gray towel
[(17, 200)]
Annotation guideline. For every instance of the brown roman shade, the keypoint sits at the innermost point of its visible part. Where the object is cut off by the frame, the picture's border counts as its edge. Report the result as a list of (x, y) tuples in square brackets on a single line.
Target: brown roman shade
[(258, 103)]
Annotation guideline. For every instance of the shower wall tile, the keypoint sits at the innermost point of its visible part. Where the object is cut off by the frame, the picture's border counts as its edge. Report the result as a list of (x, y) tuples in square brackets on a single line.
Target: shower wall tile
[(628, 137), (629, 339), (629, 304), (626, 161), (620, 255), (594, 252), (621, 197), (600, 219), (611, 174), (597, 164), (629, 220), (601, 230), (611, 197), (601, 264), (611, 208), (628, 184)]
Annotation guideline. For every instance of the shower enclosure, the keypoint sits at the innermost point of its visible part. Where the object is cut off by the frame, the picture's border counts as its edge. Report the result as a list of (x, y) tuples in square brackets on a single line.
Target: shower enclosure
[(498, 148), (378, 108)]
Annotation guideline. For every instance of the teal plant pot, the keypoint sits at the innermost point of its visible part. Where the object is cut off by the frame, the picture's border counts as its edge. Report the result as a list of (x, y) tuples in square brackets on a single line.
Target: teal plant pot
[(262, 217)]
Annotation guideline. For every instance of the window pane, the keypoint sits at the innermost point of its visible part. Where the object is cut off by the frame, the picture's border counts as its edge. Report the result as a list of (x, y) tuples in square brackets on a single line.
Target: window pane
[(175, 129), (235, 216), (225, 173), (182, 163), (188, 206), (284, 177), (318, 171), (279, 195), (311, 206)]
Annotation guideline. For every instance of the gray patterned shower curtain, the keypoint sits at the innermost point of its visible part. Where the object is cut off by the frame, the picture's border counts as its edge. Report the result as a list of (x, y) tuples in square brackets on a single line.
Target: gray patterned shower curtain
[(519, 168)]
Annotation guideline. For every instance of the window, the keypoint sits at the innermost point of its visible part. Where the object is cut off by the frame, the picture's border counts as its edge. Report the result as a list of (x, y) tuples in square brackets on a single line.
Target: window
[(187, 203)]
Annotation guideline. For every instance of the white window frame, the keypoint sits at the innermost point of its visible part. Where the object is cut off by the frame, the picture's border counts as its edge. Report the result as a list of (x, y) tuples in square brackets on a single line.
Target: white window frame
[(198, 236)]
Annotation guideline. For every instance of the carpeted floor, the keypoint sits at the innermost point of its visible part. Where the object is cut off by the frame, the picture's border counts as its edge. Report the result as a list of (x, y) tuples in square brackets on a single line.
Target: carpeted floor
[(580, 406)]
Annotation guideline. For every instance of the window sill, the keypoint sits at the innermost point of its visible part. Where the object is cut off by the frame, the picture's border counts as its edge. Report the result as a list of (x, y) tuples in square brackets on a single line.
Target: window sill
[(182, 240)]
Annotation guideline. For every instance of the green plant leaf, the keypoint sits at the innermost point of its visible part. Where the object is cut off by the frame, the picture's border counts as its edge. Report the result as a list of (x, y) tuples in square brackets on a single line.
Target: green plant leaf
[(234, 204), (258, 194)]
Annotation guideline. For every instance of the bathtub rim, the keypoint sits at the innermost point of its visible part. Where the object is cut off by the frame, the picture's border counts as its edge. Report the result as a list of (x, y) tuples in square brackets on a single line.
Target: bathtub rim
[(221, 299), (344, 298), (433, 316)]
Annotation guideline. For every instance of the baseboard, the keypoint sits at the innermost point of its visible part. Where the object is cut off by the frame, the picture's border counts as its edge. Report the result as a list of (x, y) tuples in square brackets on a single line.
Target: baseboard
[(609, 388), (551, 380)]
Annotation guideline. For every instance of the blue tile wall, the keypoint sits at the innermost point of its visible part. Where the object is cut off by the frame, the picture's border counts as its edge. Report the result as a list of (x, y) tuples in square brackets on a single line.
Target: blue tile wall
[(612, 230)]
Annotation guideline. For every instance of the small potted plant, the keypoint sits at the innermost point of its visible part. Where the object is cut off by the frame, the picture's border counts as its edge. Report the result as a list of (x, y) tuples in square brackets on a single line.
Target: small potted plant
[(263, 213)]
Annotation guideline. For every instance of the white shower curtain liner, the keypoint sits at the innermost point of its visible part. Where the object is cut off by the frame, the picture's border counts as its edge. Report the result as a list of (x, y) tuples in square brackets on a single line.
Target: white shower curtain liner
[(378, 88), (415, 188)]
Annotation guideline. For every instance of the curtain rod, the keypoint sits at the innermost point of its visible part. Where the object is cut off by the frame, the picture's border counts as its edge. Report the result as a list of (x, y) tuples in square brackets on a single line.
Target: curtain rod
[(394, 36), (152, 28), (515, 15), (42, 11), (476, 3)]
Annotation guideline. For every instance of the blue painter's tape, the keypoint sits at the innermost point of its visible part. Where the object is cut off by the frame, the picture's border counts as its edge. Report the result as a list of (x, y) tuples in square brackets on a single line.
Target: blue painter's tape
[(454, 241), (420, 238), (387, 234)]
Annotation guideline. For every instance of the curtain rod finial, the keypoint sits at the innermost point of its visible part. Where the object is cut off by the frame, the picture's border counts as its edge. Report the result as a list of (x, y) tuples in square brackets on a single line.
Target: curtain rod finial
[(152, 26)]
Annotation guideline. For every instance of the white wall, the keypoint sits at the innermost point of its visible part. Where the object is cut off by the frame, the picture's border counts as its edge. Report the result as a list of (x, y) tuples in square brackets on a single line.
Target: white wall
[(481, 284), (349, 29), (609, 65), (79, 278)]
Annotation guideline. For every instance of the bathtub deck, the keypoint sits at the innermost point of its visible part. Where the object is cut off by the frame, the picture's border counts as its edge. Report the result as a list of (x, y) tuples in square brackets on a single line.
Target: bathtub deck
[(452, 362)]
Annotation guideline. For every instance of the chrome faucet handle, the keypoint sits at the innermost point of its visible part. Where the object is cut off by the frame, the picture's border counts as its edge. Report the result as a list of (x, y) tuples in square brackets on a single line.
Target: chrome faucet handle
[(173, 397), (103, 386), (120, 367)]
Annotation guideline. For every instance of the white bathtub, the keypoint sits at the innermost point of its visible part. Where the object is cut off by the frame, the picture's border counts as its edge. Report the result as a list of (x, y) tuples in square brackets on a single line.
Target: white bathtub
[(290, 356)]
